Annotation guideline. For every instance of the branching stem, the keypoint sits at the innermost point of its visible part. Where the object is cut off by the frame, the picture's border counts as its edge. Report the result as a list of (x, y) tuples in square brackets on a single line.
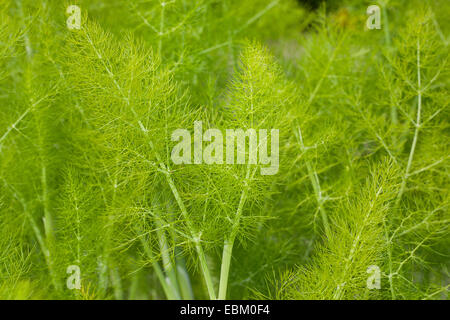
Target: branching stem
[(229, 242), (316, 186), (194, 234), (416, 131)]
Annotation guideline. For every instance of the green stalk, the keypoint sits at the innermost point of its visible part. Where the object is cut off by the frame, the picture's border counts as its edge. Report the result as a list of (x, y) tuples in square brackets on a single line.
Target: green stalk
[(178, 278), (355, 245), (39, 236), (194, 234), (45, 239), (311, 172), (184, 281), (316, 186), (225, 267), (167, 261), (229, 242), (416, 131), (168, 291), (117, 283), (389, 250)]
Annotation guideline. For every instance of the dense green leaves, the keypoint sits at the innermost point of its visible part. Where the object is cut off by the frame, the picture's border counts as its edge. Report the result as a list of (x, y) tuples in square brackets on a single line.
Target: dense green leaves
[(87, 178)]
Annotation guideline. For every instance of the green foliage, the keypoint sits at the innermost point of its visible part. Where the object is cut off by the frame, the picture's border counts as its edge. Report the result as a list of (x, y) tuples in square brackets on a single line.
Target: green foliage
[(87, 179)]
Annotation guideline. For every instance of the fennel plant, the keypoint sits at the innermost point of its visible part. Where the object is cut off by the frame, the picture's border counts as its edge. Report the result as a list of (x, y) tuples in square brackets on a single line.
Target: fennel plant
[(87, 178)]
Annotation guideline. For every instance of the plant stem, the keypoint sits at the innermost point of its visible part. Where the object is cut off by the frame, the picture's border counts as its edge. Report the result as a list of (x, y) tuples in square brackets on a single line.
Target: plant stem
[(225, 267), (170, 294), (183, 279), (46, 239), (389, 250), (117, 283), (355, 244), (229, 242), (311, 172), (316, 186), (167, 261), (416, 131), (195, 235)]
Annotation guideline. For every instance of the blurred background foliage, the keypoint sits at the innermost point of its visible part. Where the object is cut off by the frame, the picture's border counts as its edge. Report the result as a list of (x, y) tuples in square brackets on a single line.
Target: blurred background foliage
[(85, 122)]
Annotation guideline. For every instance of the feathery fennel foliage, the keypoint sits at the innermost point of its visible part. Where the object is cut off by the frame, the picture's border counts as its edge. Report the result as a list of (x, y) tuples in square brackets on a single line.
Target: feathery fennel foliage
[(87, 178)]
